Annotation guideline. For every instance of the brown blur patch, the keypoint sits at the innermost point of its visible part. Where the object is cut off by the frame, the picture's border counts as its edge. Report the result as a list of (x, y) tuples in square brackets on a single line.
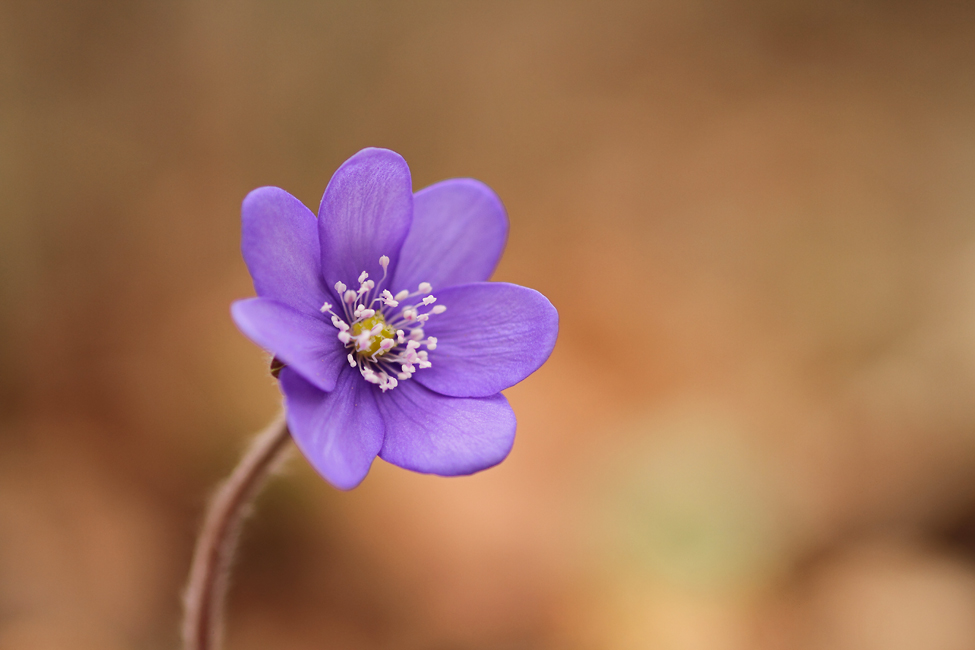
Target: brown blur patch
[(754, 217)]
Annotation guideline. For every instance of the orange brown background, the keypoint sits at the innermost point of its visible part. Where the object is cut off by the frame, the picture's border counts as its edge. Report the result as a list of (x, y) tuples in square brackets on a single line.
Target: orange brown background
[(756, 218)]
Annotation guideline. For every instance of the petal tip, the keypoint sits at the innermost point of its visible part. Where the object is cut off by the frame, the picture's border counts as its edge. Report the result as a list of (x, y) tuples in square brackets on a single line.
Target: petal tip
[(238, 313), (259, 197), (374, 157)]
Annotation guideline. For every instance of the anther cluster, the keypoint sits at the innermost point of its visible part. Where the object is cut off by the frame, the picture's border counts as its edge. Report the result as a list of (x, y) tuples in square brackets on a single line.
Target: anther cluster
[(384, 332)]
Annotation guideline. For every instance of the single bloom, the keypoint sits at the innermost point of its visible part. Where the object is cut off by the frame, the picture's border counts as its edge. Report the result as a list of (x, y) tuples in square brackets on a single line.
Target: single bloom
[(391, 339)]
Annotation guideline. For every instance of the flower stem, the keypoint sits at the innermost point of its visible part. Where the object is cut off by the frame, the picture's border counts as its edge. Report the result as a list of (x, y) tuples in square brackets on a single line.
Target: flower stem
[(207, 586)]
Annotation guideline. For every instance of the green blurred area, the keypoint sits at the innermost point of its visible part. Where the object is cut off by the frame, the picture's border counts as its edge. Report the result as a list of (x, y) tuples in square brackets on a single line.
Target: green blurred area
[(757, 220)]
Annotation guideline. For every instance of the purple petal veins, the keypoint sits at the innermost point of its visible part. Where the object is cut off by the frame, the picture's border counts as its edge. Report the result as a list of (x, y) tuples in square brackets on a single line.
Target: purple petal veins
[(339, 432), (280, 247), (494, 335), (294, 337), (458, 234), (366, 212), (434, 434)]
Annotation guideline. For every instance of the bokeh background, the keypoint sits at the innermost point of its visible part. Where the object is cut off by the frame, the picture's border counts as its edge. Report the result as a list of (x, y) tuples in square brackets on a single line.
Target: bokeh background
[(756, 218)]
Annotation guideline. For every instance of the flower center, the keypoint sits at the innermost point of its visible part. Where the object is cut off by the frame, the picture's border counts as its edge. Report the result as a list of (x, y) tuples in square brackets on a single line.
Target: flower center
[(383, 332), (373, 342)]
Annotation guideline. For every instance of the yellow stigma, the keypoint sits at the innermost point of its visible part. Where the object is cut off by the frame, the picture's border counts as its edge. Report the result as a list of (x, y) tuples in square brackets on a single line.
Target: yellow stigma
[(386, 332)]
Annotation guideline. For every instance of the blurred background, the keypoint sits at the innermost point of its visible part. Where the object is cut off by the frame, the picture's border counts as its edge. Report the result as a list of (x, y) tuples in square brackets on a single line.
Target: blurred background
[(756, 217)]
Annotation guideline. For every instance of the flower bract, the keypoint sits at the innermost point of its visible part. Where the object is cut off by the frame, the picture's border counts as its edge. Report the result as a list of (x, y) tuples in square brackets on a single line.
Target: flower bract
[(392, 341)]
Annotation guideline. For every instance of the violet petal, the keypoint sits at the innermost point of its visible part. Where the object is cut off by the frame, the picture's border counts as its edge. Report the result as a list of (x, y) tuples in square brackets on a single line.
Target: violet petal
[(427, 432), (492, 336), (279, 241), (459, 231), (302, 341), (340, 432), (365, 213)]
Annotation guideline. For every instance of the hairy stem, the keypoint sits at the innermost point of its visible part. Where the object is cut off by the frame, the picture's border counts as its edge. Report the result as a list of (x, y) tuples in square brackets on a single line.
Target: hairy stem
[(203, 600)]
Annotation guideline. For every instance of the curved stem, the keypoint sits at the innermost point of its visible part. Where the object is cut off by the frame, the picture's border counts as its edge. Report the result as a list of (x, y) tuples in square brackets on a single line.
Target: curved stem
[(203, 600)]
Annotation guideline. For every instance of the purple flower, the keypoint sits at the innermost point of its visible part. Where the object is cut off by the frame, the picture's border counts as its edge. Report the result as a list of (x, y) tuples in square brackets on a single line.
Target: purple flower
[(394, 344)]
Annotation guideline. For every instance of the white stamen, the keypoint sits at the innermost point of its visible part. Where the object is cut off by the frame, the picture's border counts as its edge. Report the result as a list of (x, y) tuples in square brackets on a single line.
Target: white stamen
[(374, 350), (388, 299)]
